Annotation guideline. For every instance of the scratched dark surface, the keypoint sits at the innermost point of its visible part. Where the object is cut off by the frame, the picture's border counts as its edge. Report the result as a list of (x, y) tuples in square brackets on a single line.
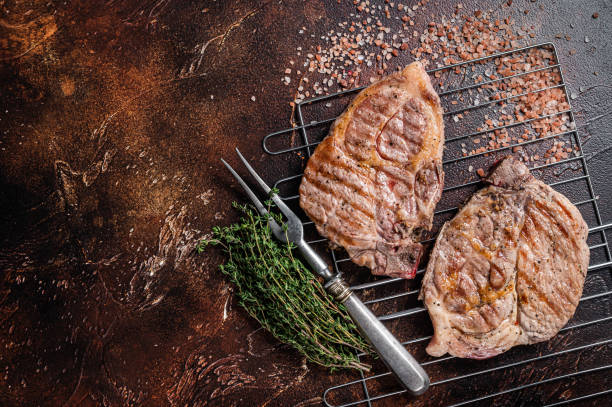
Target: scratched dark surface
[(109, 175)]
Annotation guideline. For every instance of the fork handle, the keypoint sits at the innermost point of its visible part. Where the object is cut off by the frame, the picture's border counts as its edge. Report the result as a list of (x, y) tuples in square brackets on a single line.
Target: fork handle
[(407, 370)]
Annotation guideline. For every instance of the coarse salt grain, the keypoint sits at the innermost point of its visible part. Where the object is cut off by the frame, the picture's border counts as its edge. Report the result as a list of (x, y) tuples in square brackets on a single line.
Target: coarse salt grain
[(445, 43)]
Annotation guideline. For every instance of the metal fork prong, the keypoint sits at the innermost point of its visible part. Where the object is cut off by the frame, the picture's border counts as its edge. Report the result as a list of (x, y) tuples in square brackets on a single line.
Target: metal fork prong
[(289, 214), (276, 229), (255, 175)]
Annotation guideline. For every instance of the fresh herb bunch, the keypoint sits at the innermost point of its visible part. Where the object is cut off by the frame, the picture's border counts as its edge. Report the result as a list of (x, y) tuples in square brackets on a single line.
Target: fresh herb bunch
[(287, 299)]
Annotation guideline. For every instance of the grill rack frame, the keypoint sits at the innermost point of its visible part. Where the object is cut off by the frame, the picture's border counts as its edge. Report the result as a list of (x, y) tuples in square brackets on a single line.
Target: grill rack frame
[(600, 228)]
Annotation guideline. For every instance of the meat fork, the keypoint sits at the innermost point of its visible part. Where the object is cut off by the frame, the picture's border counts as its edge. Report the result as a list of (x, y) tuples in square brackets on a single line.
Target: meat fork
[(407, 370)]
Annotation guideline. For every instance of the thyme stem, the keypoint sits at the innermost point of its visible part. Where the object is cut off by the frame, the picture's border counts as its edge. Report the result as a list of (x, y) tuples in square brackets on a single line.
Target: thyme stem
[(286, 298)]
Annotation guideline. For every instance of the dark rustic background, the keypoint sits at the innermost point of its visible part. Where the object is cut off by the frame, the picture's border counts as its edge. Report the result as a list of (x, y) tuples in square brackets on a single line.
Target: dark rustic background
[(109, 175)]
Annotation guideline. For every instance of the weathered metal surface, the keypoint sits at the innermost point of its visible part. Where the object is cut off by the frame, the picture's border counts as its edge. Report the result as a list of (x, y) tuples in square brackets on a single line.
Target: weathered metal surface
[(112, 119)]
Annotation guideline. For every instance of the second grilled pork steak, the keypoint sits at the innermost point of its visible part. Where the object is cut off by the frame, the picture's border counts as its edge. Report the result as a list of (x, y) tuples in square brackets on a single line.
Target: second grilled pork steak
[(508, 269), (376, 178)]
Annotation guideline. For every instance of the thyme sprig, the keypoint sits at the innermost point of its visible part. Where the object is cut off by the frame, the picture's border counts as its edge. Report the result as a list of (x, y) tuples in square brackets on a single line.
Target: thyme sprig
[(276, 289)]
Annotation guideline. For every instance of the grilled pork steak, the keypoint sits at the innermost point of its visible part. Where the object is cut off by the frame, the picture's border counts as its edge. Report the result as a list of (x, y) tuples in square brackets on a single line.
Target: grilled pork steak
[(376, 178), (508, 269)]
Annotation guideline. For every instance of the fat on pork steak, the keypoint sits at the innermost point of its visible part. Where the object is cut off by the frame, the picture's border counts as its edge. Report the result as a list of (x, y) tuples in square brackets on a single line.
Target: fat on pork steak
[(508, 269), (372, 184)]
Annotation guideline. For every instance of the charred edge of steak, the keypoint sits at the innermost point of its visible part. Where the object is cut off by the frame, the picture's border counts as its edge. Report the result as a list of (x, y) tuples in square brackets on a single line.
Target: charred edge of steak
[(509, 173)]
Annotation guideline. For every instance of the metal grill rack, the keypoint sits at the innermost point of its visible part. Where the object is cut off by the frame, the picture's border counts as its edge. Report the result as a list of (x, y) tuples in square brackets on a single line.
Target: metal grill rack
[(394, 299)]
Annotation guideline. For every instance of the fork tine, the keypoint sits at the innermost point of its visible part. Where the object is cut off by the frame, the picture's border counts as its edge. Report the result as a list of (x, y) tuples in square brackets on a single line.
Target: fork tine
[(291, 216), (276, 229), (260, 181)]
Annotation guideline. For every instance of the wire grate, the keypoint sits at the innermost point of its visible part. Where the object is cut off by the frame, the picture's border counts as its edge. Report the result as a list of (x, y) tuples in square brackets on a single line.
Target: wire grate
[(394, 298)]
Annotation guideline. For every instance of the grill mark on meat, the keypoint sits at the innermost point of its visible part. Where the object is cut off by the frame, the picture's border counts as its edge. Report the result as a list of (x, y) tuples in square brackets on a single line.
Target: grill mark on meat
[(408, 118), (477, 245), (526, 234), (430, 96), (357, 148), (391, 172), (555, 223), (333, 156), (344, 174), (325, 176), (552, 216), (560, 203), (328, 185), (537, 243), (369, 120), (326, 228), (490, 314), (537, 226), (388, 141), (521, 275), (328, 190), (560, 226), (349, 221), (321, 186)]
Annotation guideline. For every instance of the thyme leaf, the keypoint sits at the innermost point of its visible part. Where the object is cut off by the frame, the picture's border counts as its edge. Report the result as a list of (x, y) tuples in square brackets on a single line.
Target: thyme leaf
[(280, 292)]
